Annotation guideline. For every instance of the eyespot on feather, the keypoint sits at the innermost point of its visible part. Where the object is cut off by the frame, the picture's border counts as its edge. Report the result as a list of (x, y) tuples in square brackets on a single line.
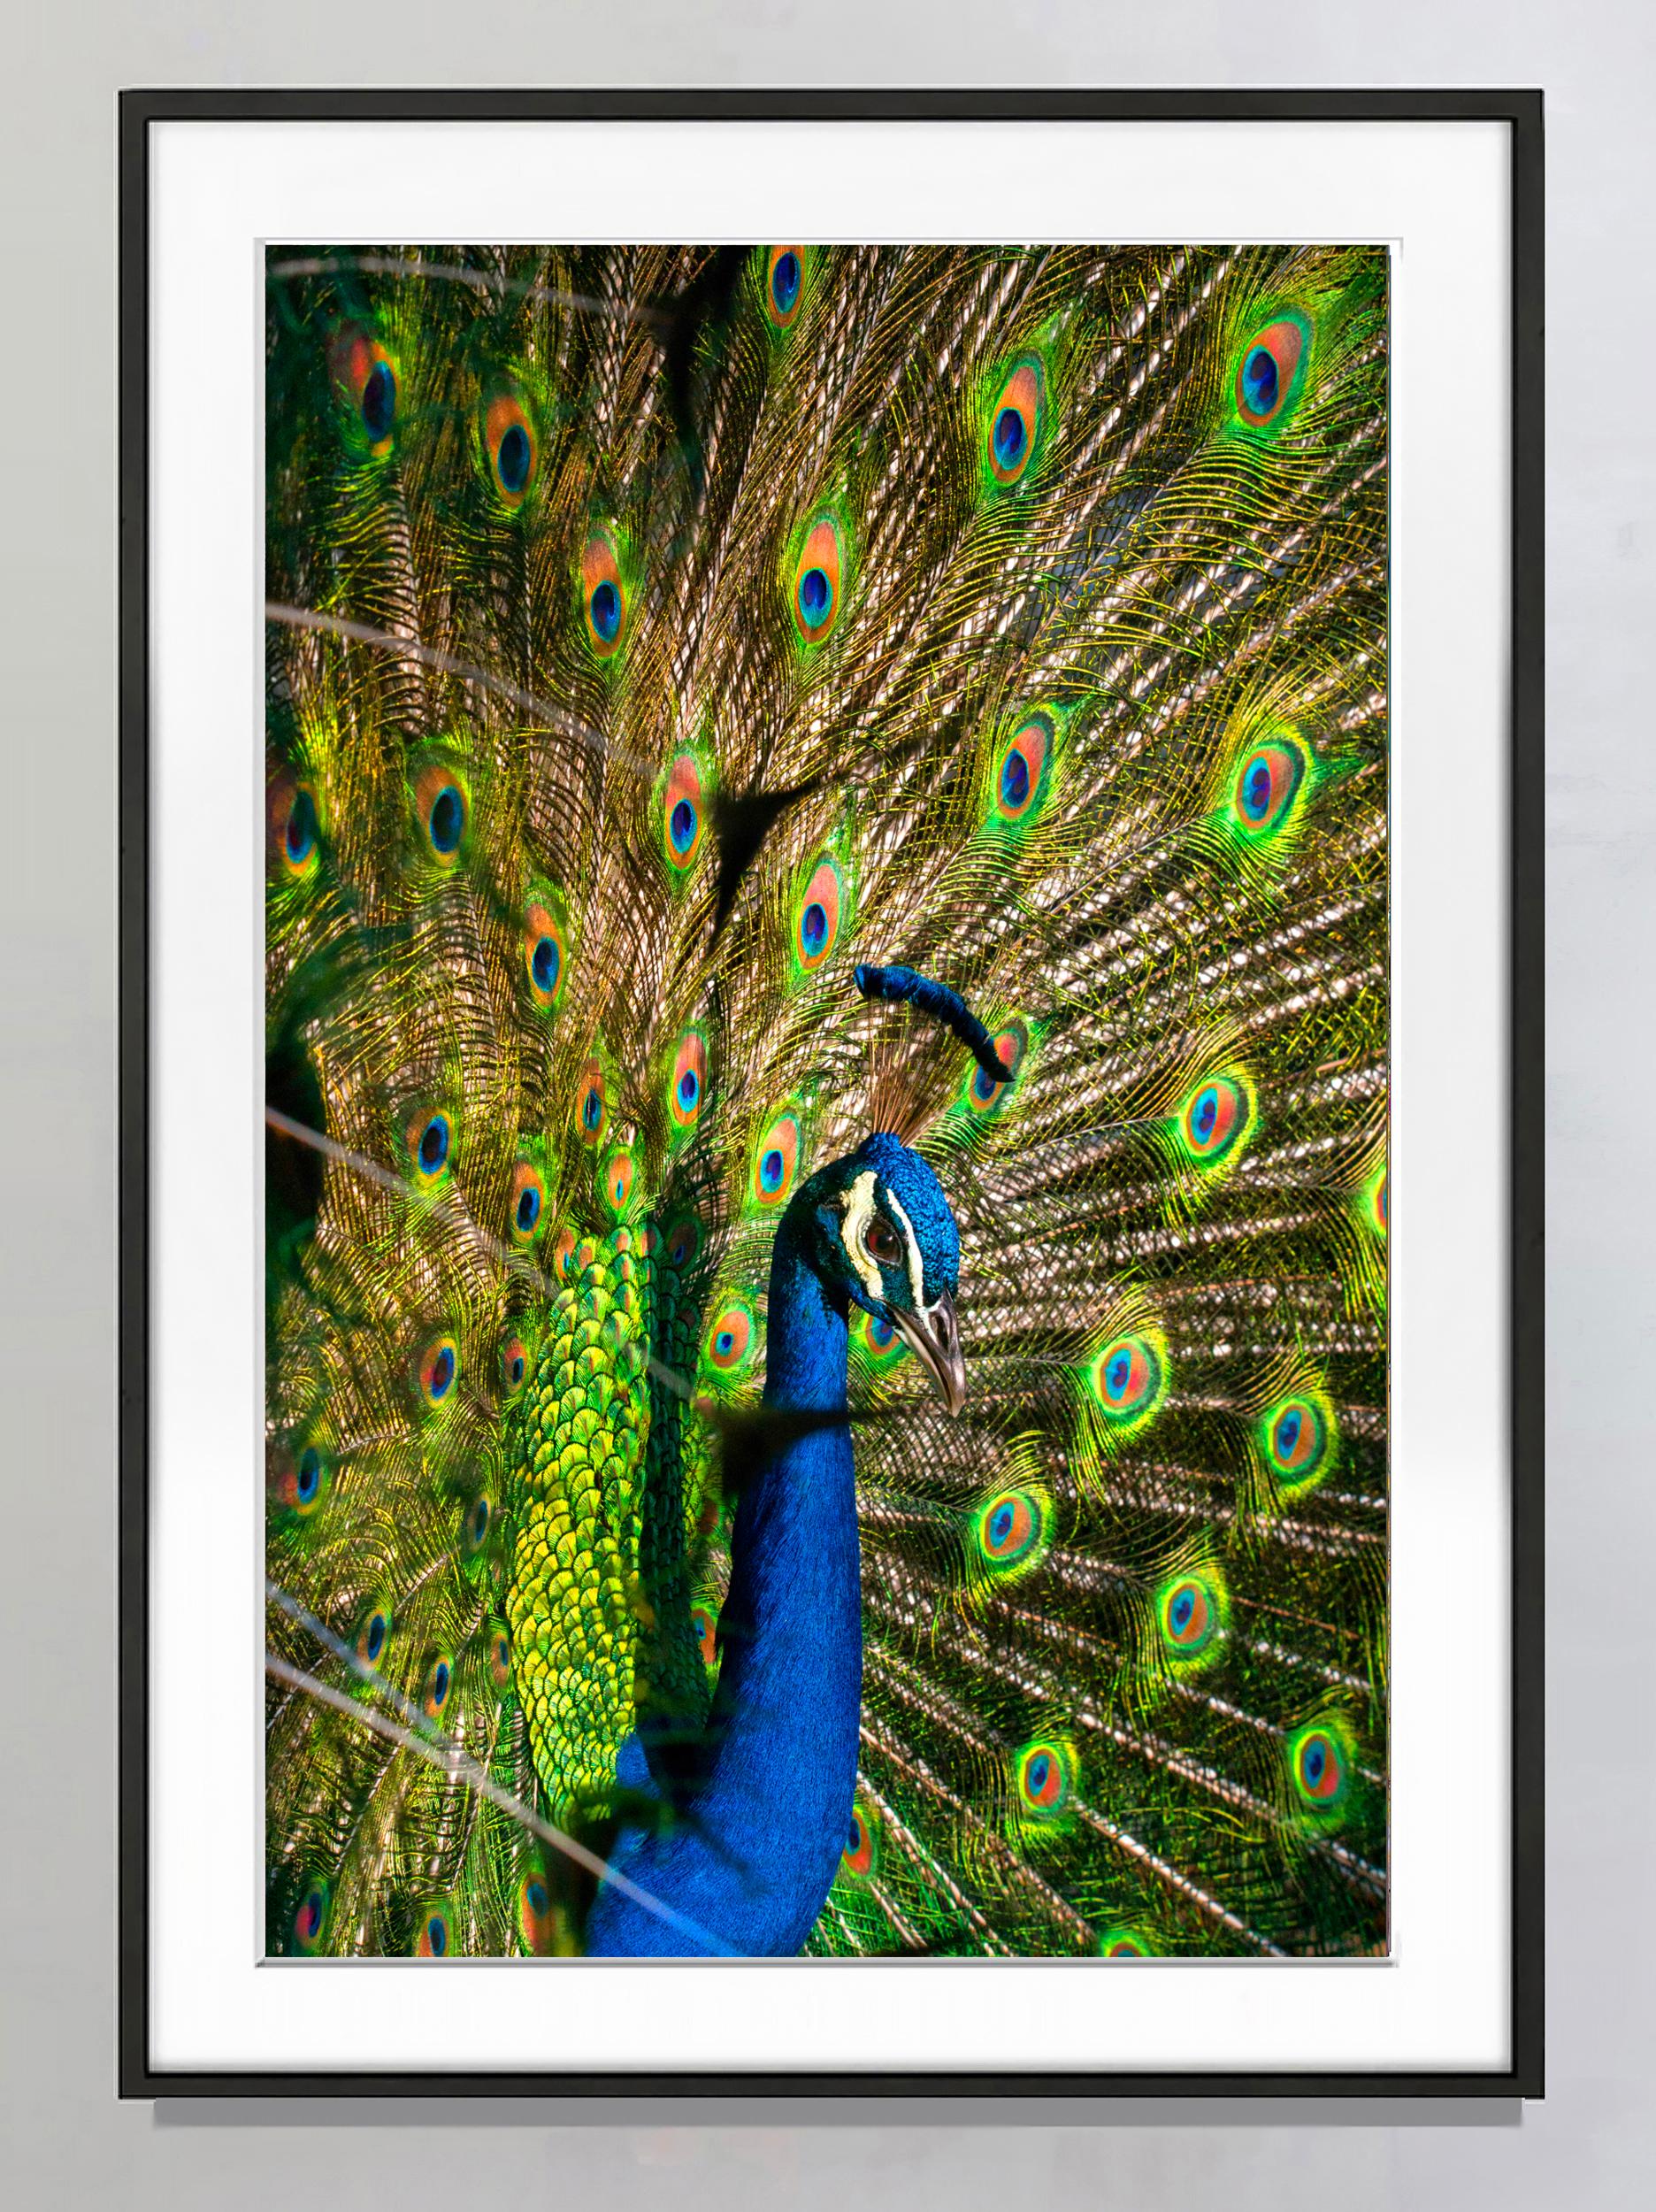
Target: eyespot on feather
[(784, 285), (591, 1104), (302, 1480), (1015, 424), (1271, 371), (1187, 1615), (982, 1093), (1268, 781), (817, 915), (776, 1161), (1297, 1436), (439, 1371), (429, 1135), (433, 1937), (294, 828), (1126, 1943), (815, 592), (438, 1685), (603, 597), (730, 1337), (860, 1859), (683, 814), (1010, 1529), (374, 1635), (681, 1240), (514, 1363), (310, 1918), (365, 377), (508, 438), (1044, 1778), (619, 1174), (1320, 1767), (442, 808), (1214, 1119), (545, 955), (1129, 1377), (686, 1080), (527, 1205), (1021, 773)]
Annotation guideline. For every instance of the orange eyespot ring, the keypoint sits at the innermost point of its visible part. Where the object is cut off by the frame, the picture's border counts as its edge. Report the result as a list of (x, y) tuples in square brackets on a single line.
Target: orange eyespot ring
[(374, 1635), (545, 956), (687, 1085), (526, 1204), (1320, 1767), (435, 1936), (1297, 1440), (1008, 1527), (683, 816), (681, 1240), (430, 1142), (443, 808), (365, 376), (310, 1918), (514, 456), (1125, 1943), (704, 1628), (1045, 1776), (591, 1104), (1187, 1616), (982, 1093), (1270, 371), (514, 1363), (730, 1338), (303, 1480), (776, 1161), (816, 581), (817, 922), (295, 834), (1015, 422), (536, 1913), (1127, 1375), (603, 597), (1213, 1119), (437, 1684), (784, 285), (439, 1371), (1020, 774), (861, 1854), (620, 1174)]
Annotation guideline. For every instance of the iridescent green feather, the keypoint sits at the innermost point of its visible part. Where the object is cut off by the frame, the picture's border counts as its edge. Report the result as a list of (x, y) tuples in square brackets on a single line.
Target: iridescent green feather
[(1094, 730)]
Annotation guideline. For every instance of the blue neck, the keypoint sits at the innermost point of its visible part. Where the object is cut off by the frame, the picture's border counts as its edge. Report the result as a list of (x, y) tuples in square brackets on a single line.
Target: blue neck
[(753, 1860)]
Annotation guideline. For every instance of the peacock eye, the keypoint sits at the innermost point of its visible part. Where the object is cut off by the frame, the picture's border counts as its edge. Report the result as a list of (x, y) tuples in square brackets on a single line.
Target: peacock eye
[(880, 1241)]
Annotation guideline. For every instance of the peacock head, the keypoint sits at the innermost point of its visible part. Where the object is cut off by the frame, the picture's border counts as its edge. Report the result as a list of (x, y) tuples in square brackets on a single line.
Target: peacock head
[(884, 1238)]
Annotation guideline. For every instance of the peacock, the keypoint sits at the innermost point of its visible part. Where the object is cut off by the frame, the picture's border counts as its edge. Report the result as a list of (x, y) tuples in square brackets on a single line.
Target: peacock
[(826, 1189)]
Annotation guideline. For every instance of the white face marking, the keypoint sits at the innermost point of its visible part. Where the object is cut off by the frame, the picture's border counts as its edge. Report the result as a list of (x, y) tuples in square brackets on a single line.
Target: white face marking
[(857, 1213), (859, 1209), (912, 1251)]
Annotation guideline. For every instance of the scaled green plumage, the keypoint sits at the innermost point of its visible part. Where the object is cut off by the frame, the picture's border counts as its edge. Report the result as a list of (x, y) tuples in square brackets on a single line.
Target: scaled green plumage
[(1085, 717)]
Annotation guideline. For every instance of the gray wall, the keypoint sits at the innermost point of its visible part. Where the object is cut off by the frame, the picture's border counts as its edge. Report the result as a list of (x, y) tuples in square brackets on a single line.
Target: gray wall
[(1593, 2143)]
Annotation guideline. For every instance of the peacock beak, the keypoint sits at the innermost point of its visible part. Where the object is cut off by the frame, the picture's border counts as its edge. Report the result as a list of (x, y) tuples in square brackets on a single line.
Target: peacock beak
[(934, 1337)]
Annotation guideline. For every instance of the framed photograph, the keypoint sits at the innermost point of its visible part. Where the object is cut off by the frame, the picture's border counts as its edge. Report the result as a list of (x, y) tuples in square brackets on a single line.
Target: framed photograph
[(790, 911)]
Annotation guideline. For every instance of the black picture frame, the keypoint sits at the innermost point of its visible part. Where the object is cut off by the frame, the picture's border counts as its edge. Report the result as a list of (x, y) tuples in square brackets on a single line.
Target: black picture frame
[(1521, 111)]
